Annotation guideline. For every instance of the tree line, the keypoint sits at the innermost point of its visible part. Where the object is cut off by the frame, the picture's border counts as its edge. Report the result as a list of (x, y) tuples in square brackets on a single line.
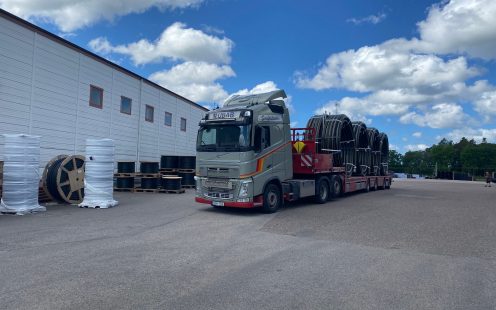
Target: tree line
[(466, 156)]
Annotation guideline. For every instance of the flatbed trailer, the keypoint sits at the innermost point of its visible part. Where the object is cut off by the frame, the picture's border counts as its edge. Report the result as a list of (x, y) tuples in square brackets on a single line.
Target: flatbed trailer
[(315, 174)]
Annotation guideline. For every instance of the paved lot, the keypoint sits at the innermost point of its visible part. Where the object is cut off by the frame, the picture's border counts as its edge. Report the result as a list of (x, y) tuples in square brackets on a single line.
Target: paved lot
[(421, 245)]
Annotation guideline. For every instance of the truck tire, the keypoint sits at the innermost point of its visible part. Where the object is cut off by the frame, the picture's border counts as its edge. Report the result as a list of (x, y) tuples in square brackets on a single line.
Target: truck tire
[(322, 190), (271, 198), (375, 184), (336, 188), (386, 184), (367, 187)]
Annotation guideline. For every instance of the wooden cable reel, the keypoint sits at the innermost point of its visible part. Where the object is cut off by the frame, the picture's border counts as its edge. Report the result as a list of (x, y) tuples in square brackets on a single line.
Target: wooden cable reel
[(63, 179)]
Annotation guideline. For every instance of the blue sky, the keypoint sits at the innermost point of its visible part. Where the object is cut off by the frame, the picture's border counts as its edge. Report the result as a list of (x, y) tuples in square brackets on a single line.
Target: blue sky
[(417, 70)]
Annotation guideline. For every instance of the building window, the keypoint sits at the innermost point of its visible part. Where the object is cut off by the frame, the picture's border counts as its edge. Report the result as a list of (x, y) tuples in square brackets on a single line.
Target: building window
[(183, 124), (168, 119), (149, 113), (96, 97), (126, 105)]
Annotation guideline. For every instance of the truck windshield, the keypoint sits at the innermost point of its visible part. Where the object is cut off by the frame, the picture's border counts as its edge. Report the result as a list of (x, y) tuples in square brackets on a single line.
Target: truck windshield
[(224, 138)]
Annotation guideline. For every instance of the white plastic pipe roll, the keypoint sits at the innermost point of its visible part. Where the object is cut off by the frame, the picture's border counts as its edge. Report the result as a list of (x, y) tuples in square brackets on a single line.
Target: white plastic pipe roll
[(99, 174), (21, 174)]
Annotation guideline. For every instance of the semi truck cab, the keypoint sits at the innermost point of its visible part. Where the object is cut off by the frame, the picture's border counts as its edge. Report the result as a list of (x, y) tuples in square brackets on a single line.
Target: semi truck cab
[(244, 152)]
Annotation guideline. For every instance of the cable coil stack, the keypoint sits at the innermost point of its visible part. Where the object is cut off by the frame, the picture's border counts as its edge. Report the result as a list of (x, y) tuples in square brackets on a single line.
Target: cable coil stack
[(21, 175), (99, 167), (361, 150), (334, 134)]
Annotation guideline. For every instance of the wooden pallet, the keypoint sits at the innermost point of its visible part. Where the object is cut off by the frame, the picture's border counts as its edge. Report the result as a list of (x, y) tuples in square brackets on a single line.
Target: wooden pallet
[(145, 190), (124, 175), (188, 186), (171, 191), (168, 170), (147, 175), (130, 190), (187, 170)]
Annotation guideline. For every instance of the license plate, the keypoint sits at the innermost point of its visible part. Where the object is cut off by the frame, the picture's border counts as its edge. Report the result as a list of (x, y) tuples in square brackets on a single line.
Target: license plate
[(218, 203)]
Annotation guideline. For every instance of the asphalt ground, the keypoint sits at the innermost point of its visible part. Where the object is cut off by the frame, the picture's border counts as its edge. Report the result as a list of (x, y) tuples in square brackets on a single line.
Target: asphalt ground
[(423, 244)]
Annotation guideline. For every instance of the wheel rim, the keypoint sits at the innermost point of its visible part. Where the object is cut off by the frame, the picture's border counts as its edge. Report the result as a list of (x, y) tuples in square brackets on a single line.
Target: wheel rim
[(272, 198), (336, 187), (323, 191)]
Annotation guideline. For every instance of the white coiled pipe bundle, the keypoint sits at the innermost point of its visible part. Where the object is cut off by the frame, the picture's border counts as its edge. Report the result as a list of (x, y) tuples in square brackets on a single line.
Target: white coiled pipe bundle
[(21, 175), (99, 174)]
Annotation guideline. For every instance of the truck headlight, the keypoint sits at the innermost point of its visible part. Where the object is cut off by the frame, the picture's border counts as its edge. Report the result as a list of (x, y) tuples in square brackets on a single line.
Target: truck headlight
[(243, 189)]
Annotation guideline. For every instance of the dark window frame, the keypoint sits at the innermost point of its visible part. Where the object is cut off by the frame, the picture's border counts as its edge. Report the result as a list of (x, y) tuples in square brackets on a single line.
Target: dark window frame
[(93, 104), (185, 124), (147, 106), (165, 115), (130, 105)]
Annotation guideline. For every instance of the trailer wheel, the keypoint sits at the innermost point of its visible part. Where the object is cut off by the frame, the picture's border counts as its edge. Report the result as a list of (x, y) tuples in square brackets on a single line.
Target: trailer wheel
[(272, 198), (322, 190), (386, 184), (367, 187), (336, 189), (375, 184)]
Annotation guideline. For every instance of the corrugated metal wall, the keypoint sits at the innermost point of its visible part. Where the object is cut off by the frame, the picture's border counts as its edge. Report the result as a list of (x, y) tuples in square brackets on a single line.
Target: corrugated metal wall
[(45, 88)]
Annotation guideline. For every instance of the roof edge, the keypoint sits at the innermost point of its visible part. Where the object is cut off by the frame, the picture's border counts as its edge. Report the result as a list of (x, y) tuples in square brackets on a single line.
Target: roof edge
[(48, 34)]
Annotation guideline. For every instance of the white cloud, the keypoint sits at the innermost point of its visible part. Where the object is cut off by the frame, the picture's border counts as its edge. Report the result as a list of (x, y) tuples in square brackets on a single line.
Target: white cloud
[(393, 147), (486, 104), (70, 15), (371, 19), (402, 76), (473, 133), (460, 26), (176, 42), (416, 147), (443, 115), (388, 66), (417, 134), (195, 80)]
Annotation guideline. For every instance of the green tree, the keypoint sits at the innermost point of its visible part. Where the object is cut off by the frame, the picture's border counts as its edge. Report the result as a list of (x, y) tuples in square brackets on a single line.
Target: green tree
[(395, 161)]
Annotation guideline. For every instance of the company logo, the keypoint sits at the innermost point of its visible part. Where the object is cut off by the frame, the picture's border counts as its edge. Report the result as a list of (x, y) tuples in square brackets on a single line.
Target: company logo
[(270, 118)]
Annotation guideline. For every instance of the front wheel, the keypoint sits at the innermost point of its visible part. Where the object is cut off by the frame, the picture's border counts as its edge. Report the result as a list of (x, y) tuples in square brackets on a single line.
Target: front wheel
[(272, 198)]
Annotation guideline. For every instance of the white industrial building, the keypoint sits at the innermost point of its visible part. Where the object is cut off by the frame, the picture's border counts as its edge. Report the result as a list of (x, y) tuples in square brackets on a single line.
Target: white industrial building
[(63, 93)]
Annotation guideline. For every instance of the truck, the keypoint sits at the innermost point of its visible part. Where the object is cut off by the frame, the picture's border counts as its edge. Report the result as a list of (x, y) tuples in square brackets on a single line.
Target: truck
[(249, 157)]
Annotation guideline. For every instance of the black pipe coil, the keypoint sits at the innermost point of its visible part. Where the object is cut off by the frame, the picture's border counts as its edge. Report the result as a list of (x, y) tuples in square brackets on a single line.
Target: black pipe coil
[(362, 150), (126, 167), (149, 167), (374, 145), (334, 133), (187, 162), (51, 179), (384, 153), (169, 162), (149, 183), (188, 178), (171, 183), (127, 182)]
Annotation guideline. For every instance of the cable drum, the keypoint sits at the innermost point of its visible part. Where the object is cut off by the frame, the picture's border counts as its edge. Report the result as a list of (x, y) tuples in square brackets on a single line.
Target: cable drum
[(384, 153), (374, 145), (125, 182), (171, 183), (169, 162), (187, 162), (63, 178), (362, 150), (149, 167), (188, 178), (149, 183), (126, 167)]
